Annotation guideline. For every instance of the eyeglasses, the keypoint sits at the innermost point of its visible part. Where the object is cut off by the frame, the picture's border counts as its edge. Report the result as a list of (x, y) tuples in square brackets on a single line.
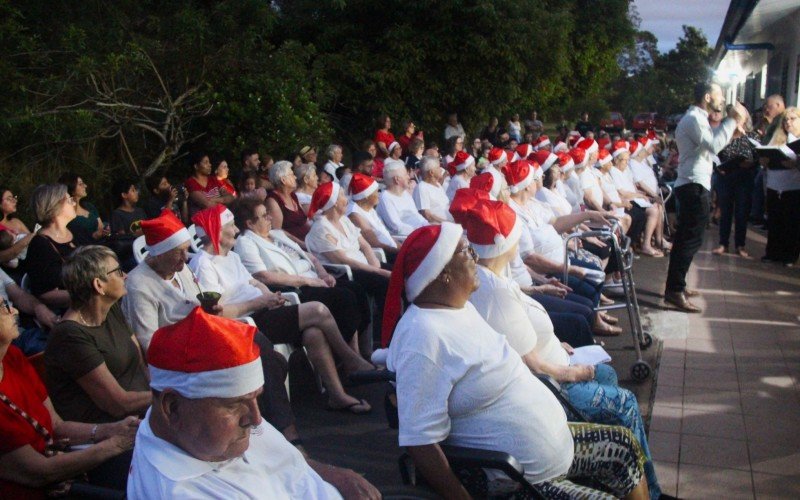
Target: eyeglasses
[(117, 270), (6, 306), (469, 252), (10, 198), (264, 216)]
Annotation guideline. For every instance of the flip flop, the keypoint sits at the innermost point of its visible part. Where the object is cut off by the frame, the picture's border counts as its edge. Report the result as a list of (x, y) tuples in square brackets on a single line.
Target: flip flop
[(651, 253), (351, 408), (611, 320), (611, 331)]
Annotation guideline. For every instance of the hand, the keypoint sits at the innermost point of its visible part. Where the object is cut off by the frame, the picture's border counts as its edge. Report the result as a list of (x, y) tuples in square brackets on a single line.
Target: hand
[(316, 282), (117, 444), (273, 300), (551, 290), (126, 427), (570, 350), (351, 484), (385, 272), (556, 282), (597, 217), (45, 316), (329, 279), (173, 194), (580, 373)]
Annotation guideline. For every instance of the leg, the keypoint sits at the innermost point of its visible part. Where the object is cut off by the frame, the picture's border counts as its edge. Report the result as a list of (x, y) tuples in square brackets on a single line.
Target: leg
[(274, 402), (316, 315), (692, 221), (572, 329), (652, 215), (725, 200), (774, 250), (342, 304), (743, 202), (319, 353)]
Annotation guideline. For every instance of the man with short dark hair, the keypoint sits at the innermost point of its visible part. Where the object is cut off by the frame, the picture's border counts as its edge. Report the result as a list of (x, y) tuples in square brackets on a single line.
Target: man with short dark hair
[(697, 143), (583, 126)]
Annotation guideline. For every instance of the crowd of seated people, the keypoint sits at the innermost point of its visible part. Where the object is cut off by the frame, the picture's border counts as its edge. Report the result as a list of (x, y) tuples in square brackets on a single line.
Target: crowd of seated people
[(345, 234)]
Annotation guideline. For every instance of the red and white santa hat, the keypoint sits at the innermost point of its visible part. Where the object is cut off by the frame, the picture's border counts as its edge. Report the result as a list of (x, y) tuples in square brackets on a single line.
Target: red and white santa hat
[(545, 158), (519, 175), (603, 158), (619, 148), (492, 226), (209, 223), (604, 143), (205, 356), (588, 145), (578, 156), (324, 198), (163, 233), (634, 147), (560, 147), (497, 156), (361, 186), (542, 142), (460, 162), (391, 146), (423, 256), (565, 161), (525, 150), (490, 181)]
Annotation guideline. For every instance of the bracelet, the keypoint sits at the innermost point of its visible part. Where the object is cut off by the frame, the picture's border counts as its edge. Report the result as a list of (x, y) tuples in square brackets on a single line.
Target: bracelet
[(94, 434)]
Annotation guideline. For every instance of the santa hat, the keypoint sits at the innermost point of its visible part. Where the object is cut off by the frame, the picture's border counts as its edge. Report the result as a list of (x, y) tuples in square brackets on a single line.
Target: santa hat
[(490, 181), (524, 150), (578, 156), (604, 143), (460, 162), (361, 186), (634, 147), (603, 157), (205, 356), (423, 256), (391, 146), (560, 147), (619, 148), (542, 142), (497, 156), (545, 158), (208, 223), (588, 145), (566, 162), (163, 233), (324, 198), (519, 175), (512, 155), (492, 226)]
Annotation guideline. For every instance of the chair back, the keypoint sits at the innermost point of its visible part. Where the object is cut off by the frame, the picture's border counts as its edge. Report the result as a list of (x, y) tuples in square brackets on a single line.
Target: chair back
[(139, 250), (195, 244)]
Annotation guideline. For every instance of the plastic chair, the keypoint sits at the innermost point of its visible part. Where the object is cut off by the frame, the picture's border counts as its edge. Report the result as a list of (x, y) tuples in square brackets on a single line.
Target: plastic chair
[(139, 250), (380, 254), (195, 243)]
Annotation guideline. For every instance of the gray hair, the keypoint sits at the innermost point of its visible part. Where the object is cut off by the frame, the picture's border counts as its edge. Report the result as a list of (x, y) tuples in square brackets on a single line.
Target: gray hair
[(301, 171), (393, 171), (47, 200), (428, 163), (80, 270), (331, 150), (278, 171)]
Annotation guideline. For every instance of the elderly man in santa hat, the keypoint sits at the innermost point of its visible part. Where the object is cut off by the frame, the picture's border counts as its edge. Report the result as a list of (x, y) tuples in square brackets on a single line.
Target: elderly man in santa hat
[(204, 436)]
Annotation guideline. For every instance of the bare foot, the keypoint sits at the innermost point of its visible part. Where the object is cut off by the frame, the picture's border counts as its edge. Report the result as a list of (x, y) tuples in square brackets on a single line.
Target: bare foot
[(651, 252), (720, 250)]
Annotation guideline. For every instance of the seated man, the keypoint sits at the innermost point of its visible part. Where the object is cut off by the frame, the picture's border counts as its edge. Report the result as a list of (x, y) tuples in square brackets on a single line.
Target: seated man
[(361, 211), (396, 207), (204, 436)]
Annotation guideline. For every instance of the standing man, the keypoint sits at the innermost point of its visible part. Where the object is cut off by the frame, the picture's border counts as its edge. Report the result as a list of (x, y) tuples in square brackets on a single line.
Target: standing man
[(697, 144)]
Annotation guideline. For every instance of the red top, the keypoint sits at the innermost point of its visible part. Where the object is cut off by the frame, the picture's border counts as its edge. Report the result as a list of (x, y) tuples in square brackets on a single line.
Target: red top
[(295, 222), (386, 138), (404, 140), (211, 190), (227, 185), (22, 385), (377, 168)]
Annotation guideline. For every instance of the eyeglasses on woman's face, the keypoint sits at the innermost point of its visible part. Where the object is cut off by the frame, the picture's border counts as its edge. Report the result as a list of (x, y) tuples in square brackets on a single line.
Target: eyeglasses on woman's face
[(117, 270), (10, 197)]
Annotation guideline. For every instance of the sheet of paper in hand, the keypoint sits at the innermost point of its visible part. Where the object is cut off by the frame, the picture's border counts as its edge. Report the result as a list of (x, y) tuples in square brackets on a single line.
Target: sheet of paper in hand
[(589, 355)]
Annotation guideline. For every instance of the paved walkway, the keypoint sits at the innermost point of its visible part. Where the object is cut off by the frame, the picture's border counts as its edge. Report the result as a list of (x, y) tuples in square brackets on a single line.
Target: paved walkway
[(726, 417)]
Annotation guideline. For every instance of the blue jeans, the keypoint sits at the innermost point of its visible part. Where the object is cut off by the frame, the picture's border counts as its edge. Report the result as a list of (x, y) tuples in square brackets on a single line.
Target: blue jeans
[(31, 340), (602, 401), (734, 199)]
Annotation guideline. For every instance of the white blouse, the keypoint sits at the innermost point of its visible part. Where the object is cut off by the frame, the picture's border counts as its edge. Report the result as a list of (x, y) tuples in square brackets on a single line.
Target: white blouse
[(325, 237)]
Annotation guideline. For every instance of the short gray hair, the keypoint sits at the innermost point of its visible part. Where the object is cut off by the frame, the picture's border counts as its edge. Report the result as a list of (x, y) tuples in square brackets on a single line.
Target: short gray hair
[(393, 171), (428, 163), (278, 171), (47, 200), (301, 171), (331, 149), (81, 268)]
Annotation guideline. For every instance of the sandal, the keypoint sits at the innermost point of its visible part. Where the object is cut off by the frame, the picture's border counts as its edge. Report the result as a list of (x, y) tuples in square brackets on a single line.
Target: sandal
[(607, 331), (743, 253), (720, 250), (651, 253), (352, 408), (605, 300), (611, 320)]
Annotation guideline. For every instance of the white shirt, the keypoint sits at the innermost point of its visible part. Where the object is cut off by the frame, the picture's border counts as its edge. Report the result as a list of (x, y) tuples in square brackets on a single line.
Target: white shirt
[(450, 131), (698, 143), (226, 275), (522, 320), (399, 213), (609, 188), (643, 173), (456, 182), (280, 255), (431, 197), (5, 280), (783, 180), (153, 302), (303, 198), (375, 222), (590, 181), (555, 200), (539, 239), (624, 181), (459, 382), (519, 271), (269, 468), (324, 237)]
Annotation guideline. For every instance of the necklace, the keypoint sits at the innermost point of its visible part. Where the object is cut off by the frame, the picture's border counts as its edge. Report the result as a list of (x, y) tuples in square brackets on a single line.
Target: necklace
[(84, 319)]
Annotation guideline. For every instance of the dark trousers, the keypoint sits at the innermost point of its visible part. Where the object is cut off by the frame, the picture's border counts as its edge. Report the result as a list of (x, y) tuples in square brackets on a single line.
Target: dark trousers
[(693, 212), (757, 210), (376, 287), (572, 318), (734, 199), (273, 403), (783, 220)]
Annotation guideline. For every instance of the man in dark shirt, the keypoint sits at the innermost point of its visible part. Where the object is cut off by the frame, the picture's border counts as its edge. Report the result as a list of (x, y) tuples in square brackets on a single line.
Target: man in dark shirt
[(584, 125)]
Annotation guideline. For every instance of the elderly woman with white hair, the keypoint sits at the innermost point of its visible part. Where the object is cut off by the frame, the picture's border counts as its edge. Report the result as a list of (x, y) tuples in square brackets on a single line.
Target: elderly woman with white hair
[(364, 196), (307, 182), (328, 172), (396, 207), (429, 195), (335, 239), (283, 205), (462, 169)]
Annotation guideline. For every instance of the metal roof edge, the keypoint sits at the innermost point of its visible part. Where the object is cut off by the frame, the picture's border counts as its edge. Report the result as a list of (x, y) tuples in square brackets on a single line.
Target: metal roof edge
[(738, 13)]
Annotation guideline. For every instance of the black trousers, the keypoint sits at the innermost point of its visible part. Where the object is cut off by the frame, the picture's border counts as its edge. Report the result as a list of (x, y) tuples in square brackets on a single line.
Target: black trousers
[(572, 318), (734, 199), (693, 212), (783, 220), (273, 403), (376, 287)]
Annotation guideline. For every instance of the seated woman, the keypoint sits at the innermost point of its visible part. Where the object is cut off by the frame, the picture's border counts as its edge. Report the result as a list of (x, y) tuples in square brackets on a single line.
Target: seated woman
[(336, 240), (95, 370), (616, 203), (462, 169), (54, 209), (459, 382), (30, 429), (11, 256), (307, 182), (364, 198), (222, 172), (87, 226), (275, 260), (203, 188), (284, 206), (429, 195), (549, 193), (493, 230), (594, 196), (309, 324)]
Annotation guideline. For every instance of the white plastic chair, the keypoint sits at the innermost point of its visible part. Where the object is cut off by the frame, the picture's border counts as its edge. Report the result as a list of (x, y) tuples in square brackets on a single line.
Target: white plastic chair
[(380, 254), (195, 243), (139, 250)]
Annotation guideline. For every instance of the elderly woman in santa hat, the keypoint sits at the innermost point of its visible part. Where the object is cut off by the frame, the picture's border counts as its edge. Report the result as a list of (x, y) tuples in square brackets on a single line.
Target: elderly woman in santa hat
[(460, 382), (220, 270), (336, 240), (429, 195), (361, 212), (462, 169), (493, 231)]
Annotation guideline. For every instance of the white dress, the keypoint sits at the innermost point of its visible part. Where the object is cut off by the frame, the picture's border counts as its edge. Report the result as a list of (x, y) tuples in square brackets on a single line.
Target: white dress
[(399, 213), (376, 223), (325, 237), (431, 197)]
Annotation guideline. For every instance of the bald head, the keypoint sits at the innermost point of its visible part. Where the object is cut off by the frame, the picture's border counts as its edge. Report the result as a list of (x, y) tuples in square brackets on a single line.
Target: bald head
[(773, 106)]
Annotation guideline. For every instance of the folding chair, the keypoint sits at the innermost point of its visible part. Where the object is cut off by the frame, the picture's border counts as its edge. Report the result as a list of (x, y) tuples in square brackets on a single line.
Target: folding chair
[(139, 250)]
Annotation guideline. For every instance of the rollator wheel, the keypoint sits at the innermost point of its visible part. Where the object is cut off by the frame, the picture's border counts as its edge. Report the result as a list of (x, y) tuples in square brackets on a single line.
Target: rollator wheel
[(647, 340), (640, 371)]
